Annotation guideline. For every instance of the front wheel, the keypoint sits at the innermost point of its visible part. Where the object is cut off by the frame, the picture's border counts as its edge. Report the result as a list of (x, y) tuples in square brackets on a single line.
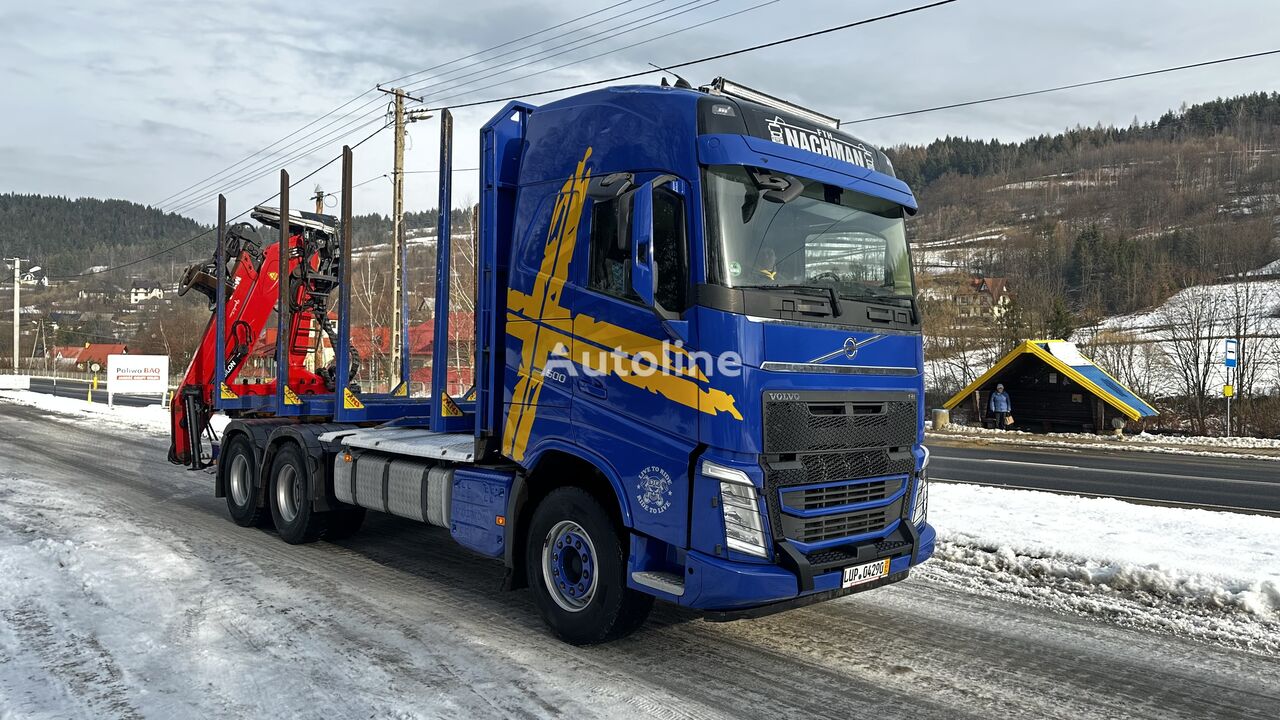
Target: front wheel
[(577, 571)]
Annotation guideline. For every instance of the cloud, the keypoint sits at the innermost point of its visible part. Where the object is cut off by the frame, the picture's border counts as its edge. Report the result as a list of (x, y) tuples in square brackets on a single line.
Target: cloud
[(140, 99)]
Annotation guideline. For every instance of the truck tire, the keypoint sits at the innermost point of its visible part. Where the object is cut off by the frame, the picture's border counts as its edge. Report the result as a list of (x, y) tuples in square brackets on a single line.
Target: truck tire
[(287, 495), (577, 568), (241, 477)]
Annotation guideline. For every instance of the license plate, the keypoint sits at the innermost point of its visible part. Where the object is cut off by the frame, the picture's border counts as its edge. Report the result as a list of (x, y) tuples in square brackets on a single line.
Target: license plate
[(859, 574)]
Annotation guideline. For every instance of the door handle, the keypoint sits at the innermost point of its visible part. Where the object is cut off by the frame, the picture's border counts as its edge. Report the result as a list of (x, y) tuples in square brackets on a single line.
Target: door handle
[(593, 386)]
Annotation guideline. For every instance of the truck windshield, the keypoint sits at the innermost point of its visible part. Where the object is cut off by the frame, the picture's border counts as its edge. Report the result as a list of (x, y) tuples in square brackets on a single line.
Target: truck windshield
[(766, 229)]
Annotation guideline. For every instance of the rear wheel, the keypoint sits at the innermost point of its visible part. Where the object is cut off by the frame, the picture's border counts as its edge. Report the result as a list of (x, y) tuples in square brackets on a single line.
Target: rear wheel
[(577, 570), (241, 482), (290, 503)]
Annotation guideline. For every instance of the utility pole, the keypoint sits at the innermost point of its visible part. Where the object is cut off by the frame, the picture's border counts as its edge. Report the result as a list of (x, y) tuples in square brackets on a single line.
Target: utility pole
[(399, 256), (319, 198), (397, 244), (17, 308)]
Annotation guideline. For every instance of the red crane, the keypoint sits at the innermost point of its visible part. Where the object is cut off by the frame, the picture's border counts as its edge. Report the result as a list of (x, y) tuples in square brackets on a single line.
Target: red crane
[(253, 291)]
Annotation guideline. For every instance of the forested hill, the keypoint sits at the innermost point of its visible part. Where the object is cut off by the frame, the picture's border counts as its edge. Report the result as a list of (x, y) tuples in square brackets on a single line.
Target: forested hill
[(1101, 221), (66, 236), (921, 165)]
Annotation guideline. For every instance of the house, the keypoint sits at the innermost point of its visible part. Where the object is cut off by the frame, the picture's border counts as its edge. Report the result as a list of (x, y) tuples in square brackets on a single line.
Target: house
[(64, 356), (106, 294), (143, 290), (984, 298), (1052, 386), (93, 356), (373, 347)]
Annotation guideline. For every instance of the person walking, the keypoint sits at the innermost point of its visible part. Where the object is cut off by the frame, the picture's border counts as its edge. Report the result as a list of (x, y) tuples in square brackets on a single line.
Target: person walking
[(1001, 407)]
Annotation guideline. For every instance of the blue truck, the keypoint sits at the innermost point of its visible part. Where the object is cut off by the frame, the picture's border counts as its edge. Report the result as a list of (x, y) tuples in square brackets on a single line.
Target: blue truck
[(698, 367)]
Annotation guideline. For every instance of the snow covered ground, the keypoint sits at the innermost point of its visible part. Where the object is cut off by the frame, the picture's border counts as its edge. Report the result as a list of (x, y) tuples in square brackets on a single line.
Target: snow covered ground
[(129, 595), (1241, 447), (1207, 574), (153, 419)]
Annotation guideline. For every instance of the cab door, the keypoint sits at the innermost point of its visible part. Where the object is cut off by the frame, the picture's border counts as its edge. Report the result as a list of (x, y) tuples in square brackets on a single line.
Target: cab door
[(635, 402)]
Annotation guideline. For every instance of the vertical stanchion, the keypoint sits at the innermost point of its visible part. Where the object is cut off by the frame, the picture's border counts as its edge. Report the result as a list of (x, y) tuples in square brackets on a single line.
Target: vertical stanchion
[(282, 311), (220, 301), (342, 379), (444, 259)]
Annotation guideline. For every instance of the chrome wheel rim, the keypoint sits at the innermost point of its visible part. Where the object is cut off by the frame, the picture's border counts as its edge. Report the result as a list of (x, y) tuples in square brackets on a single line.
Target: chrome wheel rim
[(288, 493), (569, 566), (239, 477)]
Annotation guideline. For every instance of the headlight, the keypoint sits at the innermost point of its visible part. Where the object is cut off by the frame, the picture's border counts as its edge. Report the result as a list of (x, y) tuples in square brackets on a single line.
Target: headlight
[(743, 528)]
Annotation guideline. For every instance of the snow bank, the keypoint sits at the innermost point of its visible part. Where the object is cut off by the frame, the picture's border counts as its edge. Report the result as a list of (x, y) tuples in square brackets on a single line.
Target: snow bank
[(1196, 572), (1144, 442), (153, 419)]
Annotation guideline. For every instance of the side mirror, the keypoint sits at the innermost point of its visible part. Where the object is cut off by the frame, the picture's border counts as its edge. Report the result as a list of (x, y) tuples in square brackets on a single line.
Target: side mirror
[(642, 242)]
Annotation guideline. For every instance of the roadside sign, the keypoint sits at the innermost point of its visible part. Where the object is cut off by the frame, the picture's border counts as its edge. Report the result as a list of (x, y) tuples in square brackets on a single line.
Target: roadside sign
[(1228, 391), (137, 375), (1229, 353)]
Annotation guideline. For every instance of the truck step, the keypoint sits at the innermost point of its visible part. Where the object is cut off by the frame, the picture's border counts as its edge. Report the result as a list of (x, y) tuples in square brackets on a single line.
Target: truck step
[(670, 583)]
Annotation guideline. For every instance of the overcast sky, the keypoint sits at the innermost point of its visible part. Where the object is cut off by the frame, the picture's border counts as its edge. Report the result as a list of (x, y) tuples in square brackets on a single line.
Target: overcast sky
[(139, 99)]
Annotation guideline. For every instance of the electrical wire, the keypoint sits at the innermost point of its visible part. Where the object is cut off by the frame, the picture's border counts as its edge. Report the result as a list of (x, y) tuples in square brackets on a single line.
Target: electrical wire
[(435, 97), (205, 233), (373, 89), (709, 58), (1072, 86), (269, 162)]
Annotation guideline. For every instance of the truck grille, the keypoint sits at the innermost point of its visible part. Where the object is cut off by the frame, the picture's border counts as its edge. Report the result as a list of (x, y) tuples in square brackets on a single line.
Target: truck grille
[(833, 527), (828, 451), (831, 496)]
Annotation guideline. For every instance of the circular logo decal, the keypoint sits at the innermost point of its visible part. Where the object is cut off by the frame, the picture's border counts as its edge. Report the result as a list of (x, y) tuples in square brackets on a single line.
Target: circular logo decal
[(735, 269), (655, 489)]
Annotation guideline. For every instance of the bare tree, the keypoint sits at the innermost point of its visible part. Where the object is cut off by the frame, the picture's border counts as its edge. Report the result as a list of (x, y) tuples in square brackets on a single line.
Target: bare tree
[(1192, 322)]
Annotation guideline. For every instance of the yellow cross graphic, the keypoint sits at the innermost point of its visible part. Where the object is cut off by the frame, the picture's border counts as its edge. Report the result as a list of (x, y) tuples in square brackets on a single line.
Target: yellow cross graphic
[(546, 328)]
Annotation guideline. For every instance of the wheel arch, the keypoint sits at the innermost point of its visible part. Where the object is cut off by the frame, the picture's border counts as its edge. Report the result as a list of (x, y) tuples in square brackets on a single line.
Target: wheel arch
[(555, 466), (306, 436)]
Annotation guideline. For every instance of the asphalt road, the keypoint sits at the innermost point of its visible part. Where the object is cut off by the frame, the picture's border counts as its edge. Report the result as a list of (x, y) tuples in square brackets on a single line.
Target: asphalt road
[(412, 616), (79, 389), (1216, 482)]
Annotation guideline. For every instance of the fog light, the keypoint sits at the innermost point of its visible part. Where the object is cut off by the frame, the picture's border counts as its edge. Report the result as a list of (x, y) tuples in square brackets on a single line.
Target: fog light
[(743, 527)]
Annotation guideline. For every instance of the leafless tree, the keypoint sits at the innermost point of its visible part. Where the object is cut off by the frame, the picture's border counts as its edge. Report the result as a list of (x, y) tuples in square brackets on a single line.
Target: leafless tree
[(1192, 323)]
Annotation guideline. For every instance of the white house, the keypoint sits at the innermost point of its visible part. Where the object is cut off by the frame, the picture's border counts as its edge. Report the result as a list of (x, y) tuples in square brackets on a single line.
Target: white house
[(144, 290)]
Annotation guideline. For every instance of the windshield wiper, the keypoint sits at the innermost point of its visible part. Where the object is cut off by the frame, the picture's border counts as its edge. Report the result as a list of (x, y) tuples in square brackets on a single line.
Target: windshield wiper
[(897, 300), (828, 290)]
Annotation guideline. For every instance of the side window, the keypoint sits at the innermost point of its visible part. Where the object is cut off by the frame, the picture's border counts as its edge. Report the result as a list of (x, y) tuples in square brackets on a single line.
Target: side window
[(669, 250), (610, 251)]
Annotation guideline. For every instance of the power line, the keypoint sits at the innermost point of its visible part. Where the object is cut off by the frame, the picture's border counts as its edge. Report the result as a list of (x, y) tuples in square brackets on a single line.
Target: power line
[(267, 165), (193, 238), (435, 97), (603, 35), (185, 195), (1067, 87), (709, 58)]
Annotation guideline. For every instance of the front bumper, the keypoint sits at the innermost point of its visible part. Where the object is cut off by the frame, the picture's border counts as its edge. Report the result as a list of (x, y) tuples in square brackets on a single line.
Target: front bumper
[(729, 589)]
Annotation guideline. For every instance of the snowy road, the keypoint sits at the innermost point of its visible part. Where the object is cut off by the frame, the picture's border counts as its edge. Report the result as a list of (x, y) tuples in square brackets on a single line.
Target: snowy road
[(125, 592)]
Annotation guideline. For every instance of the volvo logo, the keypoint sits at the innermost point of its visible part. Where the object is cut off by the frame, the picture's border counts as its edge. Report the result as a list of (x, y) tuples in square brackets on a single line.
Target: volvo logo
[(849, 350)]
